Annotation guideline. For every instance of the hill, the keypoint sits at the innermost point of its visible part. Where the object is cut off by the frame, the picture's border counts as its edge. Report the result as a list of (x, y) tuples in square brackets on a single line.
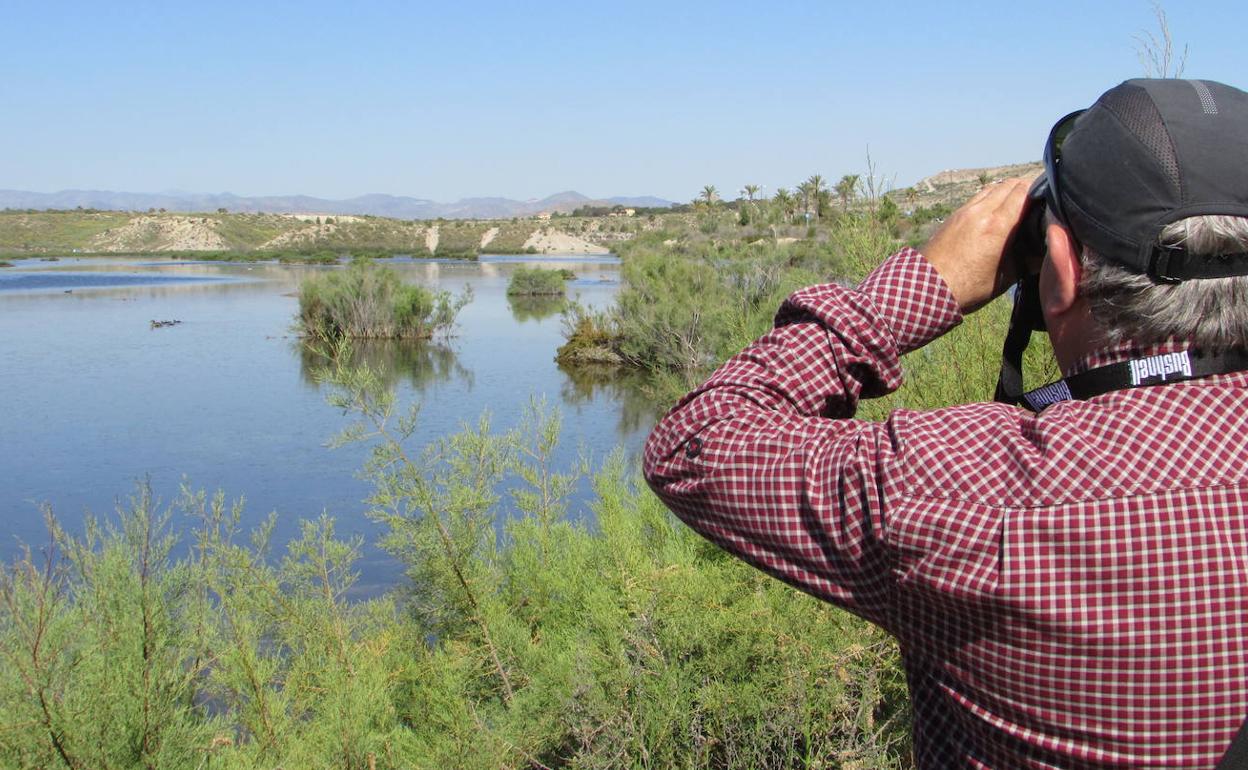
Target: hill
[(394, 206), (948, 188), (325, 235), (52, 233)]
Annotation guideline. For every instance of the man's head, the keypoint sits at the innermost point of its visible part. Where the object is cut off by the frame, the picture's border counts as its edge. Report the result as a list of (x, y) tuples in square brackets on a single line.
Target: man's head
[(1151, 187)]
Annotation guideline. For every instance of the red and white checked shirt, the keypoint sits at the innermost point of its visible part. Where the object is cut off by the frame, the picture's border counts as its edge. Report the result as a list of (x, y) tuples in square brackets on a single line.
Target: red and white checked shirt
[(1068, 589)]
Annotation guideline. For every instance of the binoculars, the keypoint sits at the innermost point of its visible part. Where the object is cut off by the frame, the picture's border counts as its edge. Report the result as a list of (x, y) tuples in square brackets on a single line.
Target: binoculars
[(1026, 250)]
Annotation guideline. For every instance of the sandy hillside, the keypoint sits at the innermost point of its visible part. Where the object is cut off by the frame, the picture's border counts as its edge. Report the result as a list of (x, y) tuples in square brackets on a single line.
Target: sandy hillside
[(956, 186), (301, 237), (549, 241), (163, 233), (488, 236)]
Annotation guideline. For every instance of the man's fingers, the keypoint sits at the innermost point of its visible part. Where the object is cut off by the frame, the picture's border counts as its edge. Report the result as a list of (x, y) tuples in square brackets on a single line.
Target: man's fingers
[(1013, 196), (999, 196), (967, 250), (1005, 190)]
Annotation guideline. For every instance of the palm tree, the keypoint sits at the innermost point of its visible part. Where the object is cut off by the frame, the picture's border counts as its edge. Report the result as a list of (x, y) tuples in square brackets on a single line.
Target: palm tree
[(750, 191), (823, 202), (817, 186), (784, 202), (709, 195), (847, 189), (806, 191)]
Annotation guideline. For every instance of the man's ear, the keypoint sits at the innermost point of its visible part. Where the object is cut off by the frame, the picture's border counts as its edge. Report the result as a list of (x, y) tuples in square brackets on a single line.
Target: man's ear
[(1059, 281)]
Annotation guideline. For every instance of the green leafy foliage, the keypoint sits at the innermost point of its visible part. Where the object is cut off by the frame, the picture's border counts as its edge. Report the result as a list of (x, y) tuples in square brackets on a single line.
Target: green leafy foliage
[(689, 303), (537, 281), (367, 301), (589, 337)]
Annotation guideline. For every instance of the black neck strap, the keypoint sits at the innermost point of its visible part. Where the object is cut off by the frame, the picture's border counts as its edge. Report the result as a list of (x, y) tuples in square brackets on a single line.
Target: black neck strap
[(1024, 319), (1159, 369)]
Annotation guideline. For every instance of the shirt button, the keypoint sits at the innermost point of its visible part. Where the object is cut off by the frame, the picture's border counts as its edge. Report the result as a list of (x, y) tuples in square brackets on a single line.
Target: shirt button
[(693, 448)]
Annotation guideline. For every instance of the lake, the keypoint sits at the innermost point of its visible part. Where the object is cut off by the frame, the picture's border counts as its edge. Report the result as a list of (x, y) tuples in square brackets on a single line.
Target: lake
[(99, 400)]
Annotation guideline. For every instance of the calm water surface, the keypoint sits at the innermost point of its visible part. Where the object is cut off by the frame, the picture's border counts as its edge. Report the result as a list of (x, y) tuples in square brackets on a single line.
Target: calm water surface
[(98, 400)]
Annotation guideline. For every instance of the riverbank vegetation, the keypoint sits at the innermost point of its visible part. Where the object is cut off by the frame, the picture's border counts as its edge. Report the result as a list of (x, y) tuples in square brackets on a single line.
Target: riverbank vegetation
[(370, 301), (540, 642), (692, 297)]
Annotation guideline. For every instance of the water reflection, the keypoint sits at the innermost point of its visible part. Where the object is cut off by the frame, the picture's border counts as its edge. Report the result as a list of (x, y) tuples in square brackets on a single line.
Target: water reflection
[(419, 363), (586, 383), (535, 308), (48, 280)]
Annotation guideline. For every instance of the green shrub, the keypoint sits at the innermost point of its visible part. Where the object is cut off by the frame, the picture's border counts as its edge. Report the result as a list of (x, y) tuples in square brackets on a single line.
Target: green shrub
[(924, 214), (589, 337), (537, 281), (683, 309), (367, 301), (687, 305)]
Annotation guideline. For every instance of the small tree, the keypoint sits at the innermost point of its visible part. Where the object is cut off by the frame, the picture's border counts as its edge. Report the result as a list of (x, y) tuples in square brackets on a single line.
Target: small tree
[(817, 189), (847, 189), (783, 202), (806, 191), (887, 212)]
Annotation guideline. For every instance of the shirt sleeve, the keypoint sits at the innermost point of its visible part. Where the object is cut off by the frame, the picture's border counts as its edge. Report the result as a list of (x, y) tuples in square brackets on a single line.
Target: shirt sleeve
[(764, 458)]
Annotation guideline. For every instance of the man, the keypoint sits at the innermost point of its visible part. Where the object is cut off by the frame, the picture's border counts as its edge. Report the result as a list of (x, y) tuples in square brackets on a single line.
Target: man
[(1068, 587)]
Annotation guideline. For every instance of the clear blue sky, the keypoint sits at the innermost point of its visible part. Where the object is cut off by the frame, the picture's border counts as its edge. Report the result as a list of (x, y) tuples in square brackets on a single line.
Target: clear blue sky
[(448, 100)]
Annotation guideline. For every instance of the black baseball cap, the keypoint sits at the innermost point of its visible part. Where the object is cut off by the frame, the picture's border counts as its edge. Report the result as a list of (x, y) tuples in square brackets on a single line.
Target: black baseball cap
[(1150, 152)]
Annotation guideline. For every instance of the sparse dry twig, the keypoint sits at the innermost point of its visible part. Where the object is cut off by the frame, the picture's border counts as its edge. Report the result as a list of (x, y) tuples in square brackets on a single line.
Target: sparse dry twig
[(1156, 51)]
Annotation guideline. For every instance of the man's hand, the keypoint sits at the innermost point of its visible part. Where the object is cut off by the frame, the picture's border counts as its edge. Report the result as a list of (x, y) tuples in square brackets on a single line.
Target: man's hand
[(967, 249)]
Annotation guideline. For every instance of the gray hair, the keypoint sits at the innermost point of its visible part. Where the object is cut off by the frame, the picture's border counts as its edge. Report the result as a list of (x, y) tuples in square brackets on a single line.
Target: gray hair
[(1211, 313)]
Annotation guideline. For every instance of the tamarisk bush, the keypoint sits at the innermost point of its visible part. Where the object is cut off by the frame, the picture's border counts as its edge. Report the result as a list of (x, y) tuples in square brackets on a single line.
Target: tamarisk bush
[(538, 282), (688, 304), (368, 301)]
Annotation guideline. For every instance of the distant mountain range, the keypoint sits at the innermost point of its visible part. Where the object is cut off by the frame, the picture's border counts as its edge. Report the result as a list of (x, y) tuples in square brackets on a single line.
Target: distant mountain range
[(397, 206)]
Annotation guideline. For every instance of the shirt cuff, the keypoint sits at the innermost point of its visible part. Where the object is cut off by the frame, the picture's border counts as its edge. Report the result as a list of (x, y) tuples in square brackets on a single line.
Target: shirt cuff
[(912, 299)]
